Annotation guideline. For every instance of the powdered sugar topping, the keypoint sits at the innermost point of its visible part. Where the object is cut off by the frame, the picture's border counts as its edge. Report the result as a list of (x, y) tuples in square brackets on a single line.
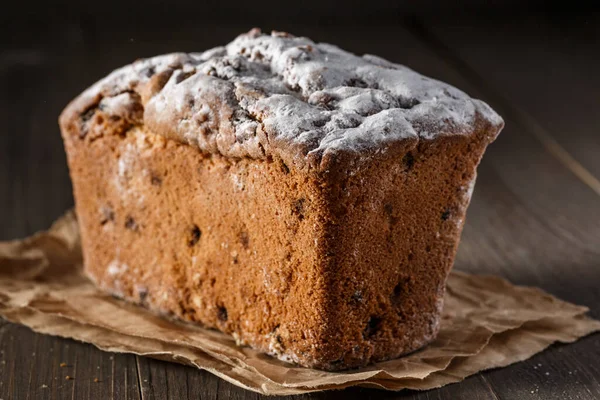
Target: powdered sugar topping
[(285, 95)]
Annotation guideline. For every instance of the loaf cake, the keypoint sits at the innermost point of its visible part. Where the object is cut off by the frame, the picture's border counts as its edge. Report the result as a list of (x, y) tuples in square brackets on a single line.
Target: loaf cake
[(303, 199)]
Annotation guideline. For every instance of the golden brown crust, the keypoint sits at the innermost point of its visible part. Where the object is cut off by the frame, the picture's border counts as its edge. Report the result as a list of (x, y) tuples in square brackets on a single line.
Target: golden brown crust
[(322, 253), (315, 268)]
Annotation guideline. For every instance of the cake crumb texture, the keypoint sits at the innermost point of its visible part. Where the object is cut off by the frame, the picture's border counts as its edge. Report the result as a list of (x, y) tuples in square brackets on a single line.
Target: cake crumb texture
[(304, 200)]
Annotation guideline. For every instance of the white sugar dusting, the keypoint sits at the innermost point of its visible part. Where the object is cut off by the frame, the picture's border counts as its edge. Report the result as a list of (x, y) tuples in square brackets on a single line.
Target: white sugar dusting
[(277, 350), (125, 163), (465, 199), (265, 94), (469, 192), (125, 177), (115, 268), (115, 105), (238, 182)]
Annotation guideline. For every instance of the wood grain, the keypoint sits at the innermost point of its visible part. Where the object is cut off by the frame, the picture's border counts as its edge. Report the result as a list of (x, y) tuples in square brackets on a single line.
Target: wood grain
[(547, 69), (531, 218), (544, 208), (555, 204)]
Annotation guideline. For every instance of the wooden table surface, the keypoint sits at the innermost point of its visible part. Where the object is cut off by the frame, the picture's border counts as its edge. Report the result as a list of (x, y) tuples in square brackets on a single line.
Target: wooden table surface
[(534, 216)]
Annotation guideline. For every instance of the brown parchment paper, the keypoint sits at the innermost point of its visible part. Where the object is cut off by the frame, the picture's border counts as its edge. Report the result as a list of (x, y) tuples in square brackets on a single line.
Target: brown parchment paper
[(487, 323)]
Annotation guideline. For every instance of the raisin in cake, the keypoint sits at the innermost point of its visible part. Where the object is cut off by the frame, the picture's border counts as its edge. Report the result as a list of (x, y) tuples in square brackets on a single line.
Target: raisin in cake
[(305, 200)]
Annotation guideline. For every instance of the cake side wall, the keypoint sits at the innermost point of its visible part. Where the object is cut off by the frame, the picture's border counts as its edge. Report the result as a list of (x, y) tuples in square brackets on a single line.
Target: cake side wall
[(230, 244), (398, 222)]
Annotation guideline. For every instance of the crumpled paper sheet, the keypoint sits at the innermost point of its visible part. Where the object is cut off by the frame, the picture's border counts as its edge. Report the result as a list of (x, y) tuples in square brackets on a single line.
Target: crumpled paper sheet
[(487, 323)]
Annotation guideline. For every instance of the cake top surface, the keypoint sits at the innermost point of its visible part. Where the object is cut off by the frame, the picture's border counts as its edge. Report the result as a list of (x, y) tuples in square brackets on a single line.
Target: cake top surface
[(280, 94)]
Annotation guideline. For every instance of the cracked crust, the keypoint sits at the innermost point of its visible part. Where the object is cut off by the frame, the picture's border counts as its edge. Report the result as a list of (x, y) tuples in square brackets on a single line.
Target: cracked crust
[(280, 95), (320, 218)]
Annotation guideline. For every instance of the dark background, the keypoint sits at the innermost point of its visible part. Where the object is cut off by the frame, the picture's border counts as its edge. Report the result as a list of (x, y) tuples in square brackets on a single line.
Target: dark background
[(534, 217)]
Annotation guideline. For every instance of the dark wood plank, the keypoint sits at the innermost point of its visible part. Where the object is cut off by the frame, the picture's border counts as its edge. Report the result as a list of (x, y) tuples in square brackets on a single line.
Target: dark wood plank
[(543, 65), (508, 232), (548, 239), (36, 83), (548, 230), (49, 374), (91, 365), (564, 372), (201, 384), (33, 174), (37, 366), (6, 362), (153, 379)]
